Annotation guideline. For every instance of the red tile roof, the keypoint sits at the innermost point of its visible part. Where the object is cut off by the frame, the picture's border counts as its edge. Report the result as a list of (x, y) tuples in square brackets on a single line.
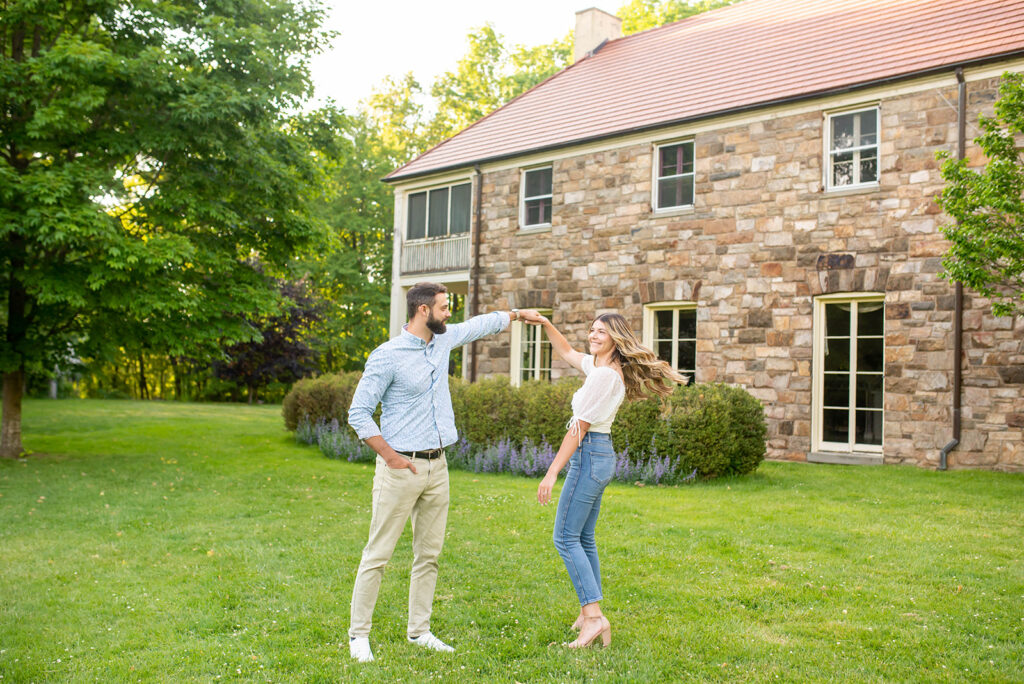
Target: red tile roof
[(739, 57)]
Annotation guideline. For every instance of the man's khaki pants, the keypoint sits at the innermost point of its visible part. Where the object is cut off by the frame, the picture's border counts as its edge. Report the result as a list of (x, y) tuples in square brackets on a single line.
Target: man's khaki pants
[(397, 495)]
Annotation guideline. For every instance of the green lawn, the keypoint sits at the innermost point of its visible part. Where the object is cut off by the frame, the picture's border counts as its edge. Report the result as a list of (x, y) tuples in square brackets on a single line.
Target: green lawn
[(176, 542)]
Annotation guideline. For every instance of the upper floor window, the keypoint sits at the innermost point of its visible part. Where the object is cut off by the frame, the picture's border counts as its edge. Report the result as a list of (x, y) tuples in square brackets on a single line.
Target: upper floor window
[(852, 149), (439, 212), (674, 186), (531, 352), (670, 329), (536, 209)]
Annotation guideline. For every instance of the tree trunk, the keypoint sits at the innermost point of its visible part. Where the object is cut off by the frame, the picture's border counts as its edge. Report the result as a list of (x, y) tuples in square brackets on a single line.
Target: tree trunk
[(10, 426), (177, 379), (17, 332), (143, 390), (252, 394)]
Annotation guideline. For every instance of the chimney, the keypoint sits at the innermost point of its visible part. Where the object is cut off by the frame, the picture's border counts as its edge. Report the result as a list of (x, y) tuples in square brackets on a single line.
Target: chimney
[(594, 27)]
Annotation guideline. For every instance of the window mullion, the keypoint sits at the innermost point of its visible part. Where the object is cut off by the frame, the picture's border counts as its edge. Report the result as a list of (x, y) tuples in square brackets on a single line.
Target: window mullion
[(853, 373), (530, 353), (451, 208), (675, 338), (537, 352), (426, 217), (856, 153), (854, 148)]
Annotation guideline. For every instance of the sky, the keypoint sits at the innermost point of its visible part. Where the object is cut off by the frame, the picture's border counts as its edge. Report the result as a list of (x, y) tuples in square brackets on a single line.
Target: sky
[(380, 38)]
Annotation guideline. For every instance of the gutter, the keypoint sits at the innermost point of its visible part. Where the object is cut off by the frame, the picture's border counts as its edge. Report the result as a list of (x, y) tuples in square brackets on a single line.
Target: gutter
[(474, 264), (392, 178), (958, 306)]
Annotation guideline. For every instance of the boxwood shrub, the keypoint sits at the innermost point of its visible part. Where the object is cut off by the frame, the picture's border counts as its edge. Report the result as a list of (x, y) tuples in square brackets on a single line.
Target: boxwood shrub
[(716, 429)]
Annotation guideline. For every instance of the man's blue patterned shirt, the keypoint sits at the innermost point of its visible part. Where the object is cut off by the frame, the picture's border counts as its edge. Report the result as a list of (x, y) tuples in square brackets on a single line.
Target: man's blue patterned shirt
[(409, 378)]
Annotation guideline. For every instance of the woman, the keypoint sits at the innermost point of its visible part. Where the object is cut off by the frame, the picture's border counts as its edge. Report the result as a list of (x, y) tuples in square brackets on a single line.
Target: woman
[(618, 367)]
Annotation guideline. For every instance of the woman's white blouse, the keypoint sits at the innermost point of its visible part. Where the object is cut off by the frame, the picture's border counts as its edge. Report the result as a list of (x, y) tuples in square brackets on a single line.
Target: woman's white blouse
[(598, 400)]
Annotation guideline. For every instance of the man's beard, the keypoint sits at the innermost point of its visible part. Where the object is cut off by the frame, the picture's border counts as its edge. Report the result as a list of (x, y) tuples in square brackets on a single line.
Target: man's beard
[(435, 326)]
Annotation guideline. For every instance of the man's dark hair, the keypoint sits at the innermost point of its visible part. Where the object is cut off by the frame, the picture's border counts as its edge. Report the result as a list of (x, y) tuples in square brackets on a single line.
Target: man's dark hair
[(422, 293)]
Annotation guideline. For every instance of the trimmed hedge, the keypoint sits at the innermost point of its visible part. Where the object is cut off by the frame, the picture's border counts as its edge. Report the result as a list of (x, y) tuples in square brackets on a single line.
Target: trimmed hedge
[(709, 430), (492, 410), (486, 411), (319, 400)]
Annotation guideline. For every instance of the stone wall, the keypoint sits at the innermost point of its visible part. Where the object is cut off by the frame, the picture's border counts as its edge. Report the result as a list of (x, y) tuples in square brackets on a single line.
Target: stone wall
[(761, 241)]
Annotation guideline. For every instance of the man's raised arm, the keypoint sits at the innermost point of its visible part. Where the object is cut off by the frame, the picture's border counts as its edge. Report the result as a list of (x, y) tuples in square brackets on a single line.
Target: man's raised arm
[(484, 325)]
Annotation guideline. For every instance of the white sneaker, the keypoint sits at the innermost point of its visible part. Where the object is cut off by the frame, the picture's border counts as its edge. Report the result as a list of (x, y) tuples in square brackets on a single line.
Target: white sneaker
[(359, 648), (430, 641)]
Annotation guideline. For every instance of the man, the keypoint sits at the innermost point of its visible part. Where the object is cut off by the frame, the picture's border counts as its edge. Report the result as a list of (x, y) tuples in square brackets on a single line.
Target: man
[(408, 376)]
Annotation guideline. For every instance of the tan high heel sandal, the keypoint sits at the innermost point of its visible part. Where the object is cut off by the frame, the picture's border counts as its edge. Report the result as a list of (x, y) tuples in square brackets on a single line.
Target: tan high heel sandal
[(605, 633), (578, 625)]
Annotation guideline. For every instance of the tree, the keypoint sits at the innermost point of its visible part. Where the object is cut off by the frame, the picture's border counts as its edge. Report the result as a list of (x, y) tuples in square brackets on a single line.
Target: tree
[(350, 271), (282, 352), (144, 164), (640, 15), (986, 250), (395, 119), (489, 75)]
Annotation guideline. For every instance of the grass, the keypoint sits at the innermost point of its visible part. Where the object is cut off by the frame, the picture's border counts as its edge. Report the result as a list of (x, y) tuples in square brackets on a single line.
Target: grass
[(175, 542)]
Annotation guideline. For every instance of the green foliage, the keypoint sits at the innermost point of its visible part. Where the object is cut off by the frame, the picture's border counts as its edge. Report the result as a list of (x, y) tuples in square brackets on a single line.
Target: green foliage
[(488, 410), (349, 271), (716, 428), (546, 408), (325, 398), (640, 15), (635, 425), (145, 163), (986, 253), (394, 113), (282, 354)]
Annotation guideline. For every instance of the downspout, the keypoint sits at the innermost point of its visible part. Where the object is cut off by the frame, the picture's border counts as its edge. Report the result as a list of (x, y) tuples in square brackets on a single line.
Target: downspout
[(958, 300), (474, 266)]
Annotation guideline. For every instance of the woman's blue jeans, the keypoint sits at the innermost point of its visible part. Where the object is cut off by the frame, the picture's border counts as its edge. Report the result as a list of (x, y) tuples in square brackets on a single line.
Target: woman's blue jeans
[(591, 468)]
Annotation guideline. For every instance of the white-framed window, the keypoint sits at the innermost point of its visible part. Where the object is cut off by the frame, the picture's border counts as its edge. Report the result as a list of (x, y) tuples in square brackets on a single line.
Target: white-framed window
[(673, 175), (438, 212), (849, 372), (531, 352), (851, 149), (670, 329), (536, 198)]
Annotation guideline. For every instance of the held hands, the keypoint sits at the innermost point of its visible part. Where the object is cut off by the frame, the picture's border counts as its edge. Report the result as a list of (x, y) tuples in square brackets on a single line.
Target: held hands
[(544, 489), (531, 316)]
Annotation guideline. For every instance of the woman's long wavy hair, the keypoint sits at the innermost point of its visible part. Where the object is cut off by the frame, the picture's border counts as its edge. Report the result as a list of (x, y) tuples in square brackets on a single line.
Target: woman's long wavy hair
[(642, 371)]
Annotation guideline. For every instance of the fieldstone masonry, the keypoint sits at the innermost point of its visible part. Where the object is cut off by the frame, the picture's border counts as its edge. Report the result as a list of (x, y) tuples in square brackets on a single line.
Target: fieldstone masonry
[(761, 242)]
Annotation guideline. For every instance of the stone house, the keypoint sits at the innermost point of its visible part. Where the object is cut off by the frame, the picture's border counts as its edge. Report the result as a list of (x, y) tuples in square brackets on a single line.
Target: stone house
[(753, 188)]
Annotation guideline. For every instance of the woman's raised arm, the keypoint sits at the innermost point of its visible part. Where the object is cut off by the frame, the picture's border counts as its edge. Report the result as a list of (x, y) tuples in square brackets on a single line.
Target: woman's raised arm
[(559, 344)]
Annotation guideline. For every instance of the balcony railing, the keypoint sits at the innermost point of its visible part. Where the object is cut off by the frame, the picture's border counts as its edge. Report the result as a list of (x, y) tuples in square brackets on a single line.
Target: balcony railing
[(437, 255)]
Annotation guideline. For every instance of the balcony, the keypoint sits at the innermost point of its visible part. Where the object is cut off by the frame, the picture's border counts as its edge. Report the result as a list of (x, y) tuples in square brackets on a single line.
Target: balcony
[(436, 255)]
